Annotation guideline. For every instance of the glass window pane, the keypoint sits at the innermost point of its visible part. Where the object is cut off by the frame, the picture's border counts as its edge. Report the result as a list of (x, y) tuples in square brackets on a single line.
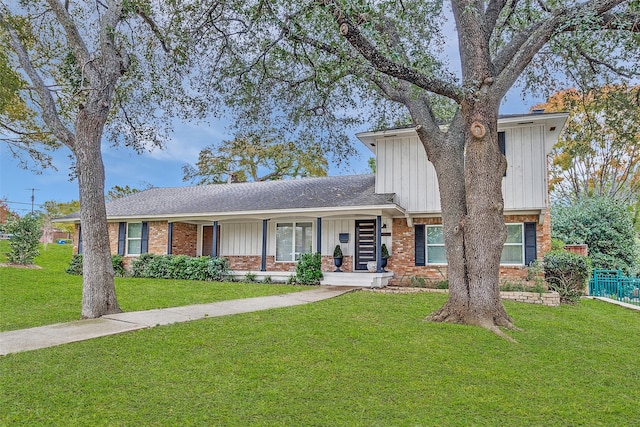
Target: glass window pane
[(134, 247), (135, 230), (514, 233), (511, 254), (434, 235), (284, 242), (304, 238), (436, 255)]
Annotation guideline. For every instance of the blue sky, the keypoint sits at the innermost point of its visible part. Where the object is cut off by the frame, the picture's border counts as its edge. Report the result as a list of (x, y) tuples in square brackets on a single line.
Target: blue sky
[(160, 168)]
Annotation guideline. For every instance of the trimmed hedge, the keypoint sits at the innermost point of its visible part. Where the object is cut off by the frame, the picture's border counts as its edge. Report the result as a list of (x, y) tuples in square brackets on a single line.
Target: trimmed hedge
[(180, 267), (75, 265), (567, 273)]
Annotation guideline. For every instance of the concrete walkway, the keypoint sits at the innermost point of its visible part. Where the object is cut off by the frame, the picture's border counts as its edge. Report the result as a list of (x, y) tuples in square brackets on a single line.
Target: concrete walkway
[(63, 333)]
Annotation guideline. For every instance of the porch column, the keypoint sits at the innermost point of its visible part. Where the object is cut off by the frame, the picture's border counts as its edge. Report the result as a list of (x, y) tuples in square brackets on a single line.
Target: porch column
[(263, 264), (169, 237), (214, 249), (379, 244), (319, 236)]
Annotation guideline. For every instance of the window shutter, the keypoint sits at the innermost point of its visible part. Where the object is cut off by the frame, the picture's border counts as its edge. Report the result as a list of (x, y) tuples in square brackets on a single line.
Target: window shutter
[(503, 145), (530, 249), (420, 244), (122, 237), (170, 238), (79, 240), (144, 238)]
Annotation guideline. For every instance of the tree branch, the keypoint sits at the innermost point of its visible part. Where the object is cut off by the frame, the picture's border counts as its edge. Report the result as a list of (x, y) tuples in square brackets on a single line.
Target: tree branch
[(154, 28), (353, 35), (518, 54), (491, 15), (50, 113), (80, 50)]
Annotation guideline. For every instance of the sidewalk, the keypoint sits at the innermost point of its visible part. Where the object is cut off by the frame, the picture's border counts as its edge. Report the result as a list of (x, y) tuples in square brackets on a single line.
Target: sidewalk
[(63, 333)]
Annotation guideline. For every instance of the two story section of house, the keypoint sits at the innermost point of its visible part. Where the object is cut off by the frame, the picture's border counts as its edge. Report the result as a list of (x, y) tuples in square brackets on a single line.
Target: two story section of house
[(263, 227)]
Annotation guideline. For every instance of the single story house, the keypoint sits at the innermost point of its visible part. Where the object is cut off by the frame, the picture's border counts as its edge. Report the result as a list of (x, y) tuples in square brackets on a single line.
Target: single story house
[(262, 227)]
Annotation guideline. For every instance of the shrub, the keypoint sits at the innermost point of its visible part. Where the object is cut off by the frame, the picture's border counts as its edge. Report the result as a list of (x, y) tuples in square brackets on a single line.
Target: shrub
[(442, 284), (417, 282), (267, 280), (557, 244), (75, 265), (118, 265), (567, 273), (384, 252), (196, 268), (117, 261), (337, 252), (605, 225), (177, 267), (309, 269), (159, 267), (250, 277), (23, 245), (218, 269), (140, 265)]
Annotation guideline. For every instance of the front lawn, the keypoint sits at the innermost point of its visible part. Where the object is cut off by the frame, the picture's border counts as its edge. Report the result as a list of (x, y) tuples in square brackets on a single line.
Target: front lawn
[(35, 297), (363, 359)]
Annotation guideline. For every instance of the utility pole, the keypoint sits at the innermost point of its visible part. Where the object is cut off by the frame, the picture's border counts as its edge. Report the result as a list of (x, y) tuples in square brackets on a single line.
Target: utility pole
[(33, 197)]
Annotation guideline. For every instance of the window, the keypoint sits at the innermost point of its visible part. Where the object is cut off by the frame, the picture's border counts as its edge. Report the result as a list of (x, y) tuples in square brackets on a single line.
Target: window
[(513, 250), (430, 245), (293, 239), (436, 253), (134, 238)]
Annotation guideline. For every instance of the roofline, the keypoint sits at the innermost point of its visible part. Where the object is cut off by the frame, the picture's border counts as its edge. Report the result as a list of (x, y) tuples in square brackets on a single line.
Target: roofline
[(368, 138), (334, 210)]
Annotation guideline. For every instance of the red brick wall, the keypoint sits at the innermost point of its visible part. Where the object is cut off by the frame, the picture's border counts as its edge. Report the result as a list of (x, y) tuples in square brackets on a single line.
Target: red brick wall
[(158, 237), (184, 239), (402, 262), (253, 263)]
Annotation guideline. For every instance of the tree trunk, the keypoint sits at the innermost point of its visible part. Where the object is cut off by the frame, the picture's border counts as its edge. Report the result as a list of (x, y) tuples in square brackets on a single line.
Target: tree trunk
[(98, 287), (470, 169)]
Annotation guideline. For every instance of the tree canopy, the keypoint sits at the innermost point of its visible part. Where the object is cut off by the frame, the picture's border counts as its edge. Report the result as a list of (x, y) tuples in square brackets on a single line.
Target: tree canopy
[(255, 158), (598, 154), (320, 67), (605, 225), (95, 69)]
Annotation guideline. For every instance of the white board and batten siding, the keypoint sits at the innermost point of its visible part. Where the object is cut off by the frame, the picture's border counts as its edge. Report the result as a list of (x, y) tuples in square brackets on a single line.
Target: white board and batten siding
[(403, 169), (239, 239), (245, 238)]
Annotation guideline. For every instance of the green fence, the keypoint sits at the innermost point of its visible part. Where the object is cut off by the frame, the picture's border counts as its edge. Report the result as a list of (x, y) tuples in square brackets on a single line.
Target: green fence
[(612, 284)]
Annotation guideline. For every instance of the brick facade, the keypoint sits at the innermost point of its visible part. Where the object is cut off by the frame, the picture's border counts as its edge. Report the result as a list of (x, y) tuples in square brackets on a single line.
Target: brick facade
[(254, 263), (402, 247), (184, 239), (403, 263)]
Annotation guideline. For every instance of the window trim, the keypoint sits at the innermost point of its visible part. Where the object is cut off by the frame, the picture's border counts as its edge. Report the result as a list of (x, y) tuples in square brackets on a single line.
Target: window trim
[(427, 245), (522, 245), (127, 239), (293, 241)]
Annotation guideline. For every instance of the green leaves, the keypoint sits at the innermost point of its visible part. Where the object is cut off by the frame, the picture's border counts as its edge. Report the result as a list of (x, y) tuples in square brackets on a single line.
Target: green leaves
[(256, 158)]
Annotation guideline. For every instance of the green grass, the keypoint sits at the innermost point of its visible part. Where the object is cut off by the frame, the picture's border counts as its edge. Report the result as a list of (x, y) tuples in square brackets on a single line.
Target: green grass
[(35, 297), (363, 359)]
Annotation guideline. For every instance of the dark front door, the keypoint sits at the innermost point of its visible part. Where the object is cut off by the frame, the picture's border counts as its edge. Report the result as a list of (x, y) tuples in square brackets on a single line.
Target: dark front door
[(365, 243)]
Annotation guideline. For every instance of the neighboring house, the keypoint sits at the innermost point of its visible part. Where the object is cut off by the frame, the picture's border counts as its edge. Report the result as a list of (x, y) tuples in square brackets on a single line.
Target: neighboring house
[(262, 227)]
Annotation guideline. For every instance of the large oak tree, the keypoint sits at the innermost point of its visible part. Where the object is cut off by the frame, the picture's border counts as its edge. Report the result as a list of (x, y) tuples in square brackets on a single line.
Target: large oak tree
[(311, 66), (85, 67)]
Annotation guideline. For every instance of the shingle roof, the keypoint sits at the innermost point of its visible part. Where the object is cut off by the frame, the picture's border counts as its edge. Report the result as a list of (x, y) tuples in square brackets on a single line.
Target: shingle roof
[(338, 191)]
